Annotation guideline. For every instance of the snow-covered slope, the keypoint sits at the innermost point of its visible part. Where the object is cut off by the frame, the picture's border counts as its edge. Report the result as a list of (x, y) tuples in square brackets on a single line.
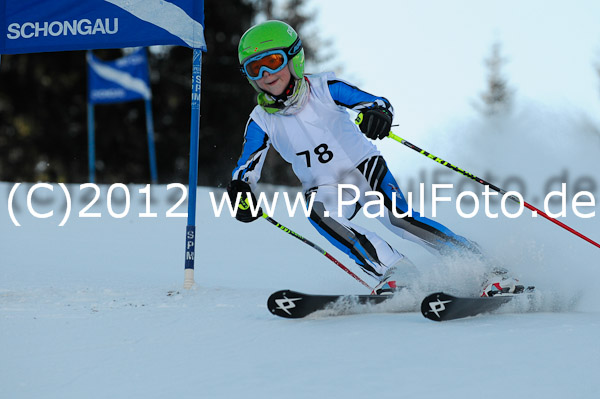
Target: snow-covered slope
[(96, 308)]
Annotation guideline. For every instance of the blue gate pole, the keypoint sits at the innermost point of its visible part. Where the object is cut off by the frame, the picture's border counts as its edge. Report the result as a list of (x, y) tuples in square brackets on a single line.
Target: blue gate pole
[(151, 149), (91, 144), (190, 234)]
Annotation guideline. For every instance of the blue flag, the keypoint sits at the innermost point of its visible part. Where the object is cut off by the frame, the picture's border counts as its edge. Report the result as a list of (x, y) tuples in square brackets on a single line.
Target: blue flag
[(125, 79), (29, 26)]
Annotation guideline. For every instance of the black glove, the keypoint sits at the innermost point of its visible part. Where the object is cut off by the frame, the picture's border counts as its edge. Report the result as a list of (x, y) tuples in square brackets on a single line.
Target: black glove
[(243, 213), (375, 123)]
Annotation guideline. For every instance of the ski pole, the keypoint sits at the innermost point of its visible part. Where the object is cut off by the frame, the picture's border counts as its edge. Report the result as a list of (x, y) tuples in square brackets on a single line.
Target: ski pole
[(485, 183), (315, 246)]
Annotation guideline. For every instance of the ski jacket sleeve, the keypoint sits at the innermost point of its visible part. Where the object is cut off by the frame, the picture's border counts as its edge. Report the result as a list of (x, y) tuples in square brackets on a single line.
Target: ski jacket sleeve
[(254, 151), (346, 95)]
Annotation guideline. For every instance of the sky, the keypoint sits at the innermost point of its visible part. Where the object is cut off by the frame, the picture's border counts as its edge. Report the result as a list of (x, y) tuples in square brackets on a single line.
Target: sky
[(435, 52)]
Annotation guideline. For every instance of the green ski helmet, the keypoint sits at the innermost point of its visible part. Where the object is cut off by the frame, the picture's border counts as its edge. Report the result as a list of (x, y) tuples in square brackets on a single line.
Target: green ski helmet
[(268, 36)]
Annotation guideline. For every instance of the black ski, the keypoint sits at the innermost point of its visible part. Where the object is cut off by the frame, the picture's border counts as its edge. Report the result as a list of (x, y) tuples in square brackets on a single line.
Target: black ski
[(295, 305), (441, 306)]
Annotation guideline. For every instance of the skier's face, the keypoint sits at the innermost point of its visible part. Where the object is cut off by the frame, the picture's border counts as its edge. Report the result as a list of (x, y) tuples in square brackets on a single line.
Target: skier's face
[(274, 83)]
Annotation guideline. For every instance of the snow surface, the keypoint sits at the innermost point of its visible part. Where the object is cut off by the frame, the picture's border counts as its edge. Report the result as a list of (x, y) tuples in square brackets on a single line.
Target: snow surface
[(96, 309)]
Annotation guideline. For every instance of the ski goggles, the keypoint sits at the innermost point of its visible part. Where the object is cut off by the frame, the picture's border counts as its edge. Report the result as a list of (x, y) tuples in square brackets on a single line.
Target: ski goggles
[(271, 61)]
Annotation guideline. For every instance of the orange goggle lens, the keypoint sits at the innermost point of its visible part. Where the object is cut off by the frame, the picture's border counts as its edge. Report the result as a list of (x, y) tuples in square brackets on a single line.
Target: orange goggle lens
[(272, 63)]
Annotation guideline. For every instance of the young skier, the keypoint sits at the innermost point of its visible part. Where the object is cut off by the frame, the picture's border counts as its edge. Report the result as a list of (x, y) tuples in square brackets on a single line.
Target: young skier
[(304, 118)]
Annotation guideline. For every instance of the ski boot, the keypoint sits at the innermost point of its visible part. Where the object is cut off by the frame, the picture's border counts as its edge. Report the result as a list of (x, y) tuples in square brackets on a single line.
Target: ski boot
[(396, 278), (500, 284)]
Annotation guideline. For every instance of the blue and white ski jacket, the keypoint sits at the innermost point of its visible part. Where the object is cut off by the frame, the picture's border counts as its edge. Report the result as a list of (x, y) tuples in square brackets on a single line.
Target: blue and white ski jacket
[(321, 141)]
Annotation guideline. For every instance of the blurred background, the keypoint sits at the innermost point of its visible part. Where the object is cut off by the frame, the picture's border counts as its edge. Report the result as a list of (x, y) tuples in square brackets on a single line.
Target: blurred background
[(447, 67)]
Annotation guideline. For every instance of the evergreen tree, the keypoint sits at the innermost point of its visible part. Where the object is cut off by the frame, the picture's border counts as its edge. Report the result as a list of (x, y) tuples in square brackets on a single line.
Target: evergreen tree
[(296, 14), (43, 110), (594, 127), (43, 113), (43, 117), (598, 71), (498, 97)]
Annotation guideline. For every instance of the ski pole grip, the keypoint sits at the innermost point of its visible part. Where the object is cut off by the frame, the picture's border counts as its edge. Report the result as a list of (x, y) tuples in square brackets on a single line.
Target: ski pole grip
[(359, 118)]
